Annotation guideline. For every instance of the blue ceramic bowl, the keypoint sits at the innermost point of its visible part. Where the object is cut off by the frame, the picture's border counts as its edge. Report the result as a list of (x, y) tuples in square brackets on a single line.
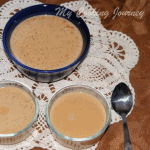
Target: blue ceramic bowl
[(46, 75)]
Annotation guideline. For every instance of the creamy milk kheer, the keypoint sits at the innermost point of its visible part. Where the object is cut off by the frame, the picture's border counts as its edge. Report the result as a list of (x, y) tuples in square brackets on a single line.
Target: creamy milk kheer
[(77, 115), (17, 109), (46, 42)]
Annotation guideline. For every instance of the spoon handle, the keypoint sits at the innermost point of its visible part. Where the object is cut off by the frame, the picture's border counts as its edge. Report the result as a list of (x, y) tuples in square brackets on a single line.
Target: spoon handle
[(127, 142)]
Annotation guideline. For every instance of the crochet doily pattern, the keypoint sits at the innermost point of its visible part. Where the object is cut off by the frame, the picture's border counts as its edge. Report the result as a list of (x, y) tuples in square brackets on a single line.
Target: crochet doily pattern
[(111, 56)]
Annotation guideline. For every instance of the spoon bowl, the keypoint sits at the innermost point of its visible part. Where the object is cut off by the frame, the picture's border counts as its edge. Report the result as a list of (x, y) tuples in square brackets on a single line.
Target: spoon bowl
[(121, 99)]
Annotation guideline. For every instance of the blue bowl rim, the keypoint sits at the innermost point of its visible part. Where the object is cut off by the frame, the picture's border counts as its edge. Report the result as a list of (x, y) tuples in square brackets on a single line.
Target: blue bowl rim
[(37, 70)]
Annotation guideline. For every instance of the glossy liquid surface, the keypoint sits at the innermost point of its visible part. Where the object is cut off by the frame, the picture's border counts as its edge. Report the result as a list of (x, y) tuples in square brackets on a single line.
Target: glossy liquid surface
[(17, 110), (78, 115), (46, 42)]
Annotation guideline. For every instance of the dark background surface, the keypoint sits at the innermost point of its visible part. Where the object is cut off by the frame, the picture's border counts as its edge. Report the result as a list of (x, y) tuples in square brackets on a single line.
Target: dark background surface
[(139, 30)]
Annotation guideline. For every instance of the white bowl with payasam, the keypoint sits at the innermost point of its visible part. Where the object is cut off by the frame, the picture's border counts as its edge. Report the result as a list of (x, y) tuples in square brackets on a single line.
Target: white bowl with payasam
[(18, 112), (78, 116)]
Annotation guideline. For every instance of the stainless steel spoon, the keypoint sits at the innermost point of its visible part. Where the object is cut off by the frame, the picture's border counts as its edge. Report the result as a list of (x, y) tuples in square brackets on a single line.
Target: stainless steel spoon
[(122, 103)]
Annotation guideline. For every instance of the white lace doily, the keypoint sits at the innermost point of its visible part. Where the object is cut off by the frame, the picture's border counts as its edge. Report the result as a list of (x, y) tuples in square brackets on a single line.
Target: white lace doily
[(111, 56)]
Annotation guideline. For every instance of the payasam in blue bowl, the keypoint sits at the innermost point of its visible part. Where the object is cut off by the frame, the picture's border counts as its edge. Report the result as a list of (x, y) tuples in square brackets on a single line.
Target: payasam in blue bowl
[(46, 42)]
